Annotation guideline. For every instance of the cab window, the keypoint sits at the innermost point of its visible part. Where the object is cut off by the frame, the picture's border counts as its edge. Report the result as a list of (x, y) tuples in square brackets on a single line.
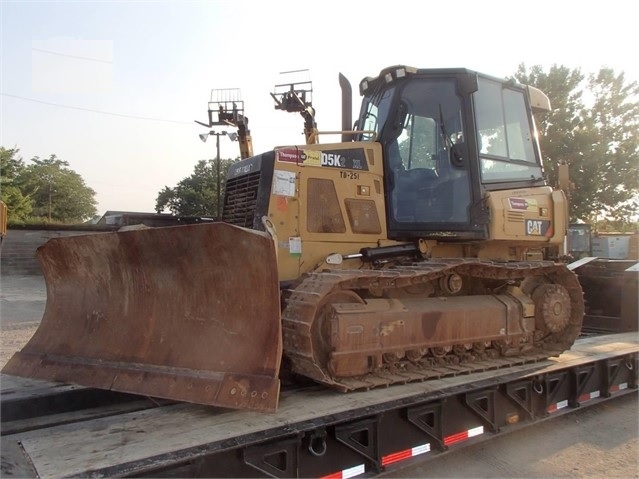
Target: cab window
[(504, 134)]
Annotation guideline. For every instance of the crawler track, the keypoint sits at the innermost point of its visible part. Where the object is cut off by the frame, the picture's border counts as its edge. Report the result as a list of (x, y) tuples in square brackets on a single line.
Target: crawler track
[(322, 295)]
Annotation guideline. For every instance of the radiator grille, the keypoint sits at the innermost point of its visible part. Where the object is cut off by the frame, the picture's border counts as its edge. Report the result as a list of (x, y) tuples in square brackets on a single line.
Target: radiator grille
[(241, 200)]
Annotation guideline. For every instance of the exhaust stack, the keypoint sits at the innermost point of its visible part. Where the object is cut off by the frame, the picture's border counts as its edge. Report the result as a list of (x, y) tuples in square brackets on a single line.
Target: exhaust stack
[(347, 107)]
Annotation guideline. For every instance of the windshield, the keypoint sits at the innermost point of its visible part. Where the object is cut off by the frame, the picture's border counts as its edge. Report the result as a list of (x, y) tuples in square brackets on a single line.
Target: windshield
[(429, 178)]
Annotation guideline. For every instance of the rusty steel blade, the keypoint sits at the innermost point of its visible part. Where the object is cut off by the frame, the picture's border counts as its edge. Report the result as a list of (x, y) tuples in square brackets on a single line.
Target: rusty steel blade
[(189, 313)]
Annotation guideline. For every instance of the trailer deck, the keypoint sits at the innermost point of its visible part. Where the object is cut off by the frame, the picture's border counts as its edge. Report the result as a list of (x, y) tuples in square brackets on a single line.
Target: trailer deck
[(53, 430)]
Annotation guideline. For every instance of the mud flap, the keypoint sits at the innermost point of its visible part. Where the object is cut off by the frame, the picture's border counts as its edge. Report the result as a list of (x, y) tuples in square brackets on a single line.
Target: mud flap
[(190, 313)]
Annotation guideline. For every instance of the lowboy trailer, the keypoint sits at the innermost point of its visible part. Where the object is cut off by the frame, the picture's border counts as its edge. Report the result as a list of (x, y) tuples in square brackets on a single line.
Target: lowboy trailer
[(52, 430)]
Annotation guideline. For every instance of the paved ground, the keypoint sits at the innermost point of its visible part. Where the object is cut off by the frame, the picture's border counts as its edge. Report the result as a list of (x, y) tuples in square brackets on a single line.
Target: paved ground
[(594, 442), (22, 298), (22, 302)]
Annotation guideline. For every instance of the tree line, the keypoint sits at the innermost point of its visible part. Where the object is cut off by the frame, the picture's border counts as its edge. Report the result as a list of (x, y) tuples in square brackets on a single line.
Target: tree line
[(43, 191), (594, 128), (196, 195)]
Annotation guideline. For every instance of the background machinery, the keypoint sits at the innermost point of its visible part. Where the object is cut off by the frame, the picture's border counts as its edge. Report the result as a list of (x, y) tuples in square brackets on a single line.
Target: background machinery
[(228, 107), (607, 266), (420, 243), (296, 96)]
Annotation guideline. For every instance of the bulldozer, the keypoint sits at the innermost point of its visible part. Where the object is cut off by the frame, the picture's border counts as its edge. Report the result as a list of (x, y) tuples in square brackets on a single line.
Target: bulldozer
[(422, 243)]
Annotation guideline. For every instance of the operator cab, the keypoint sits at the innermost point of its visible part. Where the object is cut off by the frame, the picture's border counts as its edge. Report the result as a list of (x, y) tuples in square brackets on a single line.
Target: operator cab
[(448, 136)]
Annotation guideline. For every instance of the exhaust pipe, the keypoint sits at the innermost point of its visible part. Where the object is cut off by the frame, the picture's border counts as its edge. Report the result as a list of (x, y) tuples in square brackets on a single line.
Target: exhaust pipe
[(347, 107)]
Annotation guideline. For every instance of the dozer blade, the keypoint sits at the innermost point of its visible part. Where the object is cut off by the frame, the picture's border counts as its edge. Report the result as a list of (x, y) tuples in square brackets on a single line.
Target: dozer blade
[(189, 313)]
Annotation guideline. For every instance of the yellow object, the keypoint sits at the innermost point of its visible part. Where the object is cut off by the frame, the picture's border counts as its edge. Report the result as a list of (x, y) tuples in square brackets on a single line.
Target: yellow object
[(425, 238), (3, 219)]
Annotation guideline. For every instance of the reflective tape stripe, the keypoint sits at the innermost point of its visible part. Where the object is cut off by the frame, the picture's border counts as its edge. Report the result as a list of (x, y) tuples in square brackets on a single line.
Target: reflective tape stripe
[(588, 396), (559, 405), (618, 387), (423, 449), (405, 454), (346, 473), (462, 436)]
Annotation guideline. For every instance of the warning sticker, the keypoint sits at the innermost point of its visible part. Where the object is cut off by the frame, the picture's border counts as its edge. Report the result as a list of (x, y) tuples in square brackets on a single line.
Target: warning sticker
[(283, 183), (295, 245)]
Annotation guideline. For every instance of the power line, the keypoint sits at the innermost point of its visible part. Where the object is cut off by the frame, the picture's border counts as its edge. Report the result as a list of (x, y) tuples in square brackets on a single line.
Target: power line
[(121, 115), (70, 56)]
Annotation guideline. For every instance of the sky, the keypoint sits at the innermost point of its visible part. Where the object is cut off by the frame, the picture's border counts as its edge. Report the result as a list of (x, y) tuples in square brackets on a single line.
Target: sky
[(114, 88)]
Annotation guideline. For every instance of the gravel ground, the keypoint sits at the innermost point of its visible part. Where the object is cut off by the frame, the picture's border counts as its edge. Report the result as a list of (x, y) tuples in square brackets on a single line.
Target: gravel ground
[(14, 337)]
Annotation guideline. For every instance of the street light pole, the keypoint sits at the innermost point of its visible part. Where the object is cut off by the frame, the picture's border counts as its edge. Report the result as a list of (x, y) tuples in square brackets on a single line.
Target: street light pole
[(219, 206), (50, 195), (217, 135)]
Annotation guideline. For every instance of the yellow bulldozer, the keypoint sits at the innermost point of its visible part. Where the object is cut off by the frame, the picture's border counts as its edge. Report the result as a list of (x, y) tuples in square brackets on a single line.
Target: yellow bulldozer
[(420, 245)]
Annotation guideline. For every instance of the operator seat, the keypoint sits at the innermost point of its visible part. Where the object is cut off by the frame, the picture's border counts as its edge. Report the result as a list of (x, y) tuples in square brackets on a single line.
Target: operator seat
[(452, 193)]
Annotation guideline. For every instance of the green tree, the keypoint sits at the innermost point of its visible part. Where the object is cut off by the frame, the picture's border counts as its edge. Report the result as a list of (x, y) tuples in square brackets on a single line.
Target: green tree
[(58, 192), (593, 128), (18, 204), (195, 195)]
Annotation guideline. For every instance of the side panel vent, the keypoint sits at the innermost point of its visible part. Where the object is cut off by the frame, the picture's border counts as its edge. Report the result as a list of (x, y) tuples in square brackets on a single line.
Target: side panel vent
[(241, 200), (515, 216)]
